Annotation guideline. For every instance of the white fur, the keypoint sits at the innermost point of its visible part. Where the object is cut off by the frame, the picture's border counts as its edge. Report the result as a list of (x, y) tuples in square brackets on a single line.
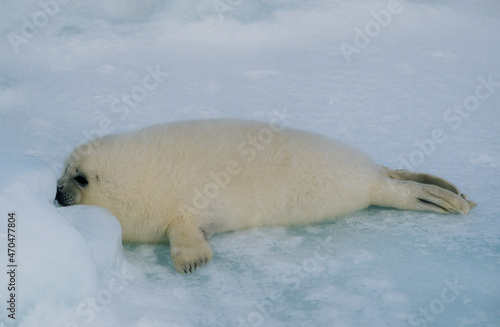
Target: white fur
[(185, 181)]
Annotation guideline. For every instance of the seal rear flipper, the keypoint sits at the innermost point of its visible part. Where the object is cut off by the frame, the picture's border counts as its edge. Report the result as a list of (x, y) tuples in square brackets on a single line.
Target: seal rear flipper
[(414, 191), (435, 198), (405, 175)]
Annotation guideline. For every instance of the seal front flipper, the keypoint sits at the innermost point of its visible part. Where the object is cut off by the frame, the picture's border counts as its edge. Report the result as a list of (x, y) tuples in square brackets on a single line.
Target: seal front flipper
[(188, 247)]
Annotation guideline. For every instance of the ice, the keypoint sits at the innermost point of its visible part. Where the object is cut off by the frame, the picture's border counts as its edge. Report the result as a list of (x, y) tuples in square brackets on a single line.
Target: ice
[(62, 255), (421, 91)]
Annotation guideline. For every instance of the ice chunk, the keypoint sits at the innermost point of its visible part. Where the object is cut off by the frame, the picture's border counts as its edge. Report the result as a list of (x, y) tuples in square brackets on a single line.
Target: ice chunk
[(27, 171), (102, 233), (61, 256)]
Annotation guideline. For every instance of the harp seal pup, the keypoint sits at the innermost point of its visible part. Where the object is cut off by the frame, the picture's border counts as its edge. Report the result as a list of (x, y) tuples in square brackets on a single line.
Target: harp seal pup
[(182, 182)]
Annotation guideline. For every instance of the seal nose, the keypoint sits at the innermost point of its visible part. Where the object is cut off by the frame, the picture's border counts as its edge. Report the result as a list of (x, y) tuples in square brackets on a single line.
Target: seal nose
[(59, 196)]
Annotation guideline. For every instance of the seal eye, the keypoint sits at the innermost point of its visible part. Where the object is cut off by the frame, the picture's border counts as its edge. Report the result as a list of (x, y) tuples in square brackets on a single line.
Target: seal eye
[(81, 180)]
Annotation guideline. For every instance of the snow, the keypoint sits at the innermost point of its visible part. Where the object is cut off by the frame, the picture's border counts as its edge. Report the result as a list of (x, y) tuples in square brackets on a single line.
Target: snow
[(419, 88)]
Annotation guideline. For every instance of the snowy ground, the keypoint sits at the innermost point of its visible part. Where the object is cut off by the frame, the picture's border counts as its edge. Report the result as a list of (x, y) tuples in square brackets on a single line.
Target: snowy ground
[(415, 84)]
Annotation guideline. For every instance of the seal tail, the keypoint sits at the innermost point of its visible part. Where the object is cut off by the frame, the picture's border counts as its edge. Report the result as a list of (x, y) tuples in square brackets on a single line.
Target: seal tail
[(407, 190)]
